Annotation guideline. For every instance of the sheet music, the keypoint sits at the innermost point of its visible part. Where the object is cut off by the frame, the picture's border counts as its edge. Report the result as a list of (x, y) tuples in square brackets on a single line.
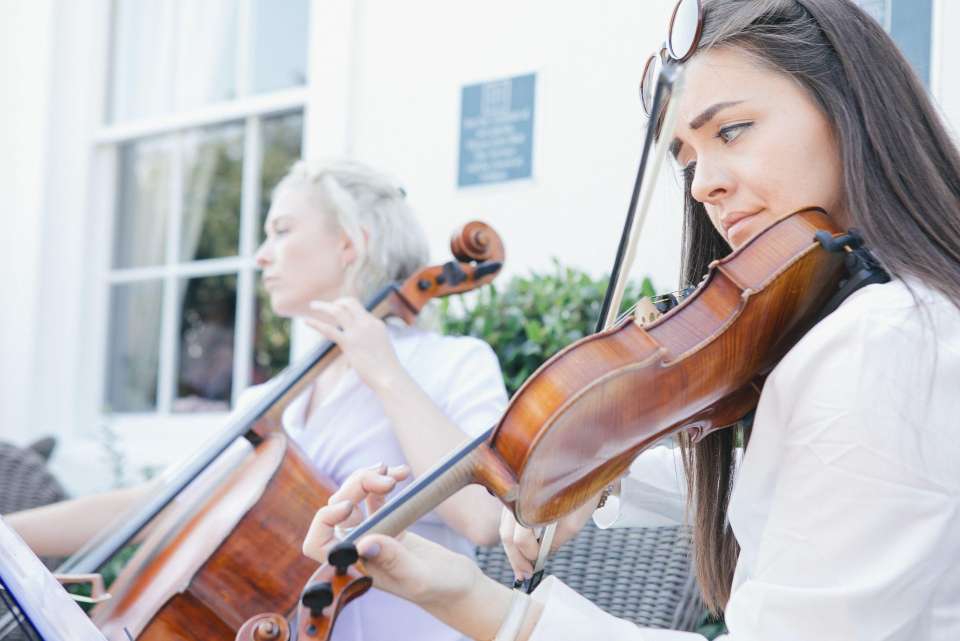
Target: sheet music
[(42, 599)]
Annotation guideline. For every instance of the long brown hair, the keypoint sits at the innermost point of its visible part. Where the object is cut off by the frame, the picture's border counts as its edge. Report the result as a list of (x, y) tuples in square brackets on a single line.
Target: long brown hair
[(902, 189)]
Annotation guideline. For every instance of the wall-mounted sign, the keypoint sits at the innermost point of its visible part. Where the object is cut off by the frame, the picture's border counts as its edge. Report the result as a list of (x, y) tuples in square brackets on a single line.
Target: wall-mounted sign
[(496, 131)]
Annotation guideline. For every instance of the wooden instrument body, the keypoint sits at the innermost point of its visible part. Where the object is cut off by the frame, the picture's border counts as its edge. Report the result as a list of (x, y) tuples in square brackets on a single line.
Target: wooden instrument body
[(230, 552), (581, 419)]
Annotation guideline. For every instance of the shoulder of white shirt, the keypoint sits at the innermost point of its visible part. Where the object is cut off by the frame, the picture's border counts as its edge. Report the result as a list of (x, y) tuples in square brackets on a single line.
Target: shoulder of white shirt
[(428, 342)]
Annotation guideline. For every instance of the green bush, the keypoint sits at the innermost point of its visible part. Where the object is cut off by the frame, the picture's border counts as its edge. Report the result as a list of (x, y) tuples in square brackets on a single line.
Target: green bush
[(531, 318)]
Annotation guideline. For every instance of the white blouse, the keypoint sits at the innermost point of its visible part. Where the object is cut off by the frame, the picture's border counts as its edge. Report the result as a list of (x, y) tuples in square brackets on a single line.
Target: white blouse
[(349, 431), (846, 504)]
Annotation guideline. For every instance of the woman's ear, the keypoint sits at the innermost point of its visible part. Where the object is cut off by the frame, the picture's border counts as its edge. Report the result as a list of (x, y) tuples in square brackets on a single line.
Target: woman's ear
[(350, 253), (348, 250)]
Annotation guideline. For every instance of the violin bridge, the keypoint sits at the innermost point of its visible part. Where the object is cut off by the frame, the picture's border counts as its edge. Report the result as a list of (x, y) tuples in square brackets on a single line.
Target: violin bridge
[(645, 312)]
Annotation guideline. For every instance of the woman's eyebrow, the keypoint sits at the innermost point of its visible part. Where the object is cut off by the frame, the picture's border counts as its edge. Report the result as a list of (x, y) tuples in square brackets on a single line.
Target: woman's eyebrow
[(706, 116), (272, 223), (710, 112)]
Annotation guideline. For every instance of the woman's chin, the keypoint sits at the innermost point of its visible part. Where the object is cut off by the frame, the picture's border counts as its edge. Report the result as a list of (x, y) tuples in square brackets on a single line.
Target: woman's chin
[(282, 307)]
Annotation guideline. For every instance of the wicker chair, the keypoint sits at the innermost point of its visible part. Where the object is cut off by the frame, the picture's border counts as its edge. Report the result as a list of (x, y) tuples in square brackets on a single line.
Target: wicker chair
[(639, 574), (26, 482)]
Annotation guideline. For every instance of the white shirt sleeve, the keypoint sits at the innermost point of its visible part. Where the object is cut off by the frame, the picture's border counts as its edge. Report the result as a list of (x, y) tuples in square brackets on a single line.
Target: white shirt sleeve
[(654, 493), (474, 397), (567, 616), (847, 510)]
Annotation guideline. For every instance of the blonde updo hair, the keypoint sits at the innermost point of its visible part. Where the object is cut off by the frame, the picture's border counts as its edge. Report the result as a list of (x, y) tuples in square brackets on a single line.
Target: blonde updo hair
[(373, 211)]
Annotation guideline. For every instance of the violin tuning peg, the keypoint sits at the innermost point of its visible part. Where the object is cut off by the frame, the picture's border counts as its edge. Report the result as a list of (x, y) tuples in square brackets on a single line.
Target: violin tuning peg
[(342, 556), (317, 596)]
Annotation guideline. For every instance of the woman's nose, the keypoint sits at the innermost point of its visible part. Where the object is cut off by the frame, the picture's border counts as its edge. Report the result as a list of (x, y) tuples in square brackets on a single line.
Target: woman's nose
[(262, 257), (711, 183)]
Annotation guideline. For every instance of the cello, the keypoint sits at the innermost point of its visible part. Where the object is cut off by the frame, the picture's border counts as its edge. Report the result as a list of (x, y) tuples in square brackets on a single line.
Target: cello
[(201, 572)]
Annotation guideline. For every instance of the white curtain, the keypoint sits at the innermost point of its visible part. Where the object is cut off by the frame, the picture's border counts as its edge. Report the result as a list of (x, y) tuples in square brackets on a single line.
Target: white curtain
[(172, 55)]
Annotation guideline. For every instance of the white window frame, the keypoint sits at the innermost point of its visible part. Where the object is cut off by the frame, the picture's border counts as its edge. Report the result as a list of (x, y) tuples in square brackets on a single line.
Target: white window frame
[(153, 439), (63, 393)]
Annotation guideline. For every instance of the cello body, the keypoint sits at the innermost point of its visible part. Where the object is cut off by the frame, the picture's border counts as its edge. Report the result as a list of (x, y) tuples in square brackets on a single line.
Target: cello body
[(227, 550)]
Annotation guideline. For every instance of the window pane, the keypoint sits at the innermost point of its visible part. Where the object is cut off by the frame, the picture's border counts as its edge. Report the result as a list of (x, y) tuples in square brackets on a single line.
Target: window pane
[(282, 136), (134, 346), (909, 23), (171, 55), (879, 10), (279, 43), (205, 370), (213, 167), (910, 27), (271, 346), (207, 53), (144, 54), (143, 203)]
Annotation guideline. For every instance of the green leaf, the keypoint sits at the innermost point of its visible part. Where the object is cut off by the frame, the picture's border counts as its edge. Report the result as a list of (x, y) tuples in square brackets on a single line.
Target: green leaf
[(530, 318)]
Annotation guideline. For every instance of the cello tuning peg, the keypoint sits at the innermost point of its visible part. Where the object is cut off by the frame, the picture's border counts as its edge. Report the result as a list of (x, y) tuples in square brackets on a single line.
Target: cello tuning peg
[(485, 268)]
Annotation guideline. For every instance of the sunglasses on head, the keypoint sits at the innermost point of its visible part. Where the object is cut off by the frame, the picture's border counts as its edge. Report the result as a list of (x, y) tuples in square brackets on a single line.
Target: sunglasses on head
[(683, 36)]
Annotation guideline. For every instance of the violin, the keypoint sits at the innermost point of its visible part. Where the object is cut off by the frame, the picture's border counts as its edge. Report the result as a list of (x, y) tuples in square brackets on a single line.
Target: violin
[(201, 573), (579, 421)]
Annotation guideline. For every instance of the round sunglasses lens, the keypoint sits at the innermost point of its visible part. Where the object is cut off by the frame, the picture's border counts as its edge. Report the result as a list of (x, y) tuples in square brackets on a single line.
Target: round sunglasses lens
[(648, 83), (684, 29)]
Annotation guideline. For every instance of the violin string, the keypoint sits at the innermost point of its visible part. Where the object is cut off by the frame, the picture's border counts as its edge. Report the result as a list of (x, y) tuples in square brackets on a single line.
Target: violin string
[(626, 313), (630, 310)]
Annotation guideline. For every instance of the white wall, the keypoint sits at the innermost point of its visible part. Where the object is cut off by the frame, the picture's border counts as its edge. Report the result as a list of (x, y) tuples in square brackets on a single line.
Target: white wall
[(51, 65), (25, 68), (411, 60)]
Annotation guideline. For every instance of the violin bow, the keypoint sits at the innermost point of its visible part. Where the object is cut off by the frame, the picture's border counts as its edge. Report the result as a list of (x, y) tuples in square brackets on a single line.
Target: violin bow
[(669, 84)]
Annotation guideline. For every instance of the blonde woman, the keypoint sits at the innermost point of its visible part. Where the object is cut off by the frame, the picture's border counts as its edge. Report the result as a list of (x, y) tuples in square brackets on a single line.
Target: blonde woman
[(400, 397)]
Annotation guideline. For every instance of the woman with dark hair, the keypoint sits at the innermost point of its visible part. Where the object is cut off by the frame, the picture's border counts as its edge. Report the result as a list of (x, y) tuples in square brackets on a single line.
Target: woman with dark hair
[(841, 519)]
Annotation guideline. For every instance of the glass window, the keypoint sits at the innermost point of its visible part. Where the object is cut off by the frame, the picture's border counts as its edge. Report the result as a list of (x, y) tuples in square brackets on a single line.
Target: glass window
[(213, 164), (282, 136), (134, 346), (190, 325), (279, 43), (205, 370), (879, 10), (172, 56), (271, 340), (206, 68), (910, 24), (144, 56), (175, 344), (281, 148), (143, 205)]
